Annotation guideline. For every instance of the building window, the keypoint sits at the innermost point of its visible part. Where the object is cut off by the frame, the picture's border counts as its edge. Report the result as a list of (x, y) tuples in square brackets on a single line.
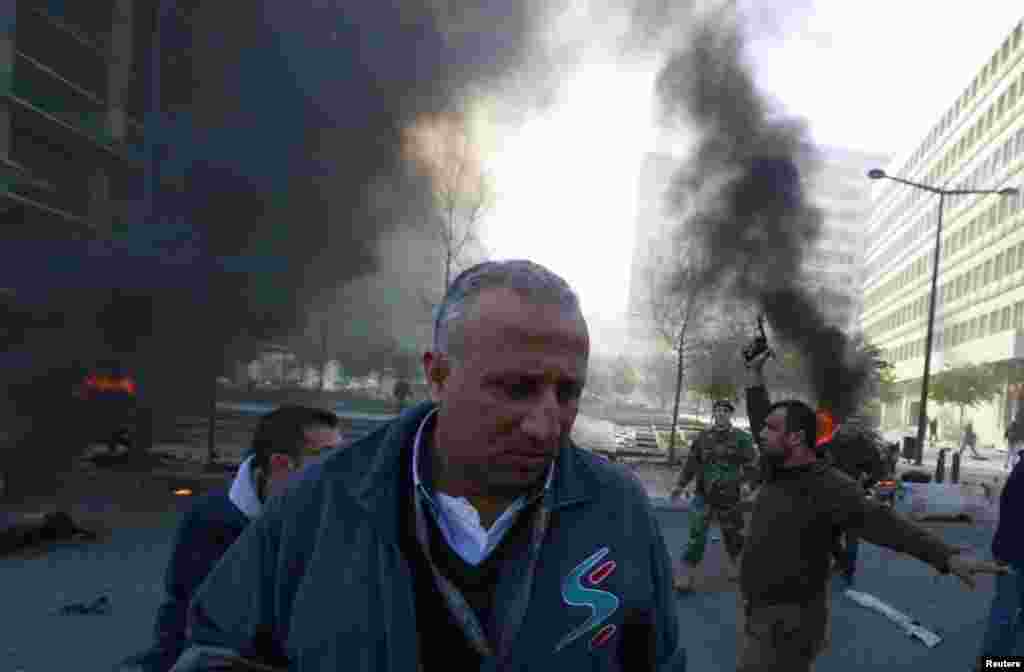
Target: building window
[(993, 322), (972, 329), (987, 273), (1005, 323), (1018, 315), (998, 269), (976, 282), (982, 325), (1011, 260)]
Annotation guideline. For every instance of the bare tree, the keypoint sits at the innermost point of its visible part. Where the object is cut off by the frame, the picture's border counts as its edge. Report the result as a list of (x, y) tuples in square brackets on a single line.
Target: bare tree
[(463, 194), (677, 297)]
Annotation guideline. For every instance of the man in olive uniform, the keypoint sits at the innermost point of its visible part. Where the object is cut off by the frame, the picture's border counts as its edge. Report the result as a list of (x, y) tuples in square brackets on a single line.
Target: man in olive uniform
[(721, 460)]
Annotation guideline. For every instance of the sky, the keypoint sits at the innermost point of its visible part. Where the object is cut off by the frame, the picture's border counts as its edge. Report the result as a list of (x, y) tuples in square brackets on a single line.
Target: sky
[(872, 75)]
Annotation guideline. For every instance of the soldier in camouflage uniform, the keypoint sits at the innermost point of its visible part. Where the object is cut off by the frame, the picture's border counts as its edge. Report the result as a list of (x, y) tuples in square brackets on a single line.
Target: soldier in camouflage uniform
[(722, 460)]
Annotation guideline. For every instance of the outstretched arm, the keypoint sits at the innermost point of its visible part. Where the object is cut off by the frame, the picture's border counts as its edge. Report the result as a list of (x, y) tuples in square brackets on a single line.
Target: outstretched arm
[(881, 526), (757, 395)]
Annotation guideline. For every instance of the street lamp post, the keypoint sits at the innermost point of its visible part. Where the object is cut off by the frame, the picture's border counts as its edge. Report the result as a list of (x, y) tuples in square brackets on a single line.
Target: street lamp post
[(878, 174)]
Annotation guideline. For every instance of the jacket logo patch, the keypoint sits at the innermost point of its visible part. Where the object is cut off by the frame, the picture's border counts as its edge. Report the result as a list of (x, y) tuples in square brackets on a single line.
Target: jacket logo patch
[(602, 636), (602, 604), (602, 572)]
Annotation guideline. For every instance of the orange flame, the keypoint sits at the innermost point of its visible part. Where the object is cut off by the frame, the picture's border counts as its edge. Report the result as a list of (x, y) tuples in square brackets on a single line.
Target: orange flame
[(826, 427), (182, 492), (110, 384)]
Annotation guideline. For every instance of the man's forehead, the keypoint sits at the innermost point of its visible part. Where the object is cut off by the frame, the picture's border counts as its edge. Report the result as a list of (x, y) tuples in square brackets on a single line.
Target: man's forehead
[(504, 315)]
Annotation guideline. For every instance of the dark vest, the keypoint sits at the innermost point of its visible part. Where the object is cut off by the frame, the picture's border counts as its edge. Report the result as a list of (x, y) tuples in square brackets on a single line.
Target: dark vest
[(443, 646)]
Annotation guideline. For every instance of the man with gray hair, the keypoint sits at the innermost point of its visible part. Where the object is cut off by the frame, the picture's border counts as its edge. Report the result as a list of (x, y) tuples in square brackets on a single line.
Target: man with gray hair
[(470, 533)]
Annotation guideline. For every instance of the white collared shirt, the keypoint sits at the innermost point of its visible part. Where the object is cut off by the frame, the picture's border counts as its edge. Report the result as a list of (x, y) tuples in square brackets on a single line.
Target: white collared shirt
[(459, 520), (243, 491)]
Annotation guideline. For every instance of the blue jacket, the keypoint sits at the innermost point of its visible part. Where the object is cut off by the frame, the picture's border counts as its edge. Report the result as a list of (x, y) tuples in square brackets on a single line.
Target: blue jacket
[(205, 533), (1007, 544), (319, 582)]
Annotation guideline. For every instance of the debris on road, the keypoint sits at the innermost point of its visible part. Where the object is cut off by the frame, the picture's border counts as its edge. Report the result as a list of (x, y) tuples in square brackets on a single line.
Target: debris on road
[(910, 626), (18, 531), (100, 606)]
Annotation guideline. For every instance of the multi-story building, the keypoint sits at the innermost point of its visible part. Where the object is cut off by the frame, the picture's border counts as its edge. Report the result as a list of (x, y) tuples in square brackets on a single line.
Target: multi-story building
[(835, 266), (651, 247), (978, 142), (73, 85)]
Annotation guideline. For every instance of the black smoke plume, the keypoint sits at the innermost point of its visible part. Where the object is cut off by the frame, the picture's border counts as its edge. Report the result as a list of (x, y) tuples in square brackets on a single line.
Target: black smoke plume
[(275, 139), (752, 221)]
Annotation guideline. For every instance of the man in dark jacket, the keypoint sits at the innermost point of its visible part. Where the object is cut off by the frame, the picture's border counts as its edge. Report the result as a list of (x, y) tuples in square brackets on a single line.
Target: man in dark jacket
[(470, 533), (784, 596), (1014, 442), (1004, 635), (284, 440), (855, 450)]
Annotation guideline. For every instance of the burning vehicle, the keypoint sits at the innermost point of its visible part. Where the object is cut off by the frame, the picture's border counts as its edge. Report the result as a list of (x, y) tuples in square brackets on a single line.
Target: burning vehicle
[(107, 403)]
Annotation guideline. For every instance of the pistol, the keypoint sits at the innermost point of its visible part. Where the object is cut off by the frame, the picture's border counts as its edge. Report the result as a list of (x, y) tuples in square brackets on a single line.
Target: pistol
[(759, 344)]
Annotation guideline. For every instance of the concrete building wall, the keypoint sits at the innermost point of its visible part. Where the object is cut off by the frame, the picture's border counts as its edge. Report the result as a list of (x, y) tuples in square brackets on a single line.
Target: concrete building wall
[(70, 119)]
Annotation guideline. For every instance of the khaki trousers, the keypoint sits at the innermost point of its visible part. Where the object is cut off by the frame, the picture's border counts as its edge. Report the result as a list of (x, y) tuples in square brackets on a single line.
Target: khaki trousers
[(782, 637)]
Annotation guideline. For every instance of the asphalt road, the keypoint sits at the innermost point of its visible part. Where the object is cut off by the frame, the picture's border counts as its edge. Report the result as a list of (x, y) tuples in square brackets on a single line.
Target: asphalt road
[(129, 566)]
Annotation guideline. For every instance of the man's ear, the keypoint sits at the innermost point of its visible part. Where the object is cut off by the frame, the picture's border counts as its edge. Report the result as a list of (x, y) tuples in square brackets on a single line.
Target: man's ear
[(436, 370)]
